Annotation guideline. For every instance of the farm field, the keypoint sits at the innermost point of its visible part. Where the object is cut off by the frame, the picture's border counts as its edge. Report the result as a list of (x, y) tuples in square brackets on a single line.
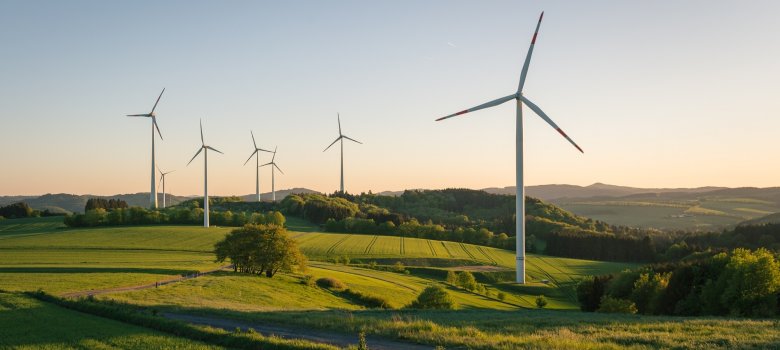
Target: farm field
[(26, 323), (694, 212)]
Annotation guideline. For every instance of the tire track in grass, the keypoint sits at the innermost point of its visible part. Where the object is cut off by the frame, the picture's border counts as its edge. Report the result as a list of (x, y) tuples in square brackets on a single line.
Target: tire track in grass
[(447, 250), (353, 272), (463, 246), (564, 273), (487, 256), (430, 245), (336, 245), (371, 245), (566, 291)]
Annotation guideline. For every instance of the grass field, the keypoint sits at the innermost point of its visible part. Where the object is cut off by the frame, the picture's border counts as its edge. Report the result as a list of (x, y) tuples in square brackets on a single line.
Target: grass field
[(26, 323)]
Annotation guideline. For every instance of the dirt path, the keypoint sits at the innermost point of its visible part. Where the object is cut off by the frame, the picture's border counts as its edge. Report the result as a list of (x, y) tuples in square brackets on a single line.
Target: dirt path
[(142, 286), (337, 339)]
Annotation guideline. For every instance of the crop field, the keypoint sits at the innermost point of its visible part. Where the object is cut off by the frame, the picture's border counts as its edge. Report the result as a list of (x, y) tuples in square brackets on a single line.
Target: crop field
[(705, 213), (26, 323)]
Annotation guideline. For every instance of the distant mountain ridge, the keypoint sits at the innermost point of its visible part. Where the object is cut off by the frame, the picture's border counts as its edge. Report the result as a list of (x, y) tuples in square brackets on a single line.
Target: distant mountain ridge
[(560, 191), (72, 203)]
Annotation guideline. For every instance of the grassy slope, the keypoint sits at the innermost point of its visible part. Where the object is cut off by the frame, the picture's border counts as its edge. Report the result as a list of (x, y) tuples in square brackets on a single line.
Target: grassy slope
[(21, 319)]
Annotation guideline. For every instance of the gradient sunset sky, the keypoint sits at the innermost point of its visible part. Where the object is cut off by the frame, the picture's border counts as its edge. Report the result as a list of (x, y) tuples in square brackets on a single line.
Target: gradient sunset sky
[(657, 93)]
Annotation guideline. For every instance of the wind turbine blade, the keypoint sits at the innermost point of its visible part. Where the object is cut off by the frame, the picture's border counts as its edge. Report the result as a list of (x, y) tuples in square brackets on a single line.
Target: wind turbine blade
[(264, 150), (158, 101), (214, 149), (277, 168), (334, 142), (138, 115), (495, 102), (169, 172), (196, 154), (250, 157), (353, 140), (524, 72), (338, 117), (154, 121), (265, 165), (253, 138), (544, 116), (158, 168), (201, 133), (274, 156)]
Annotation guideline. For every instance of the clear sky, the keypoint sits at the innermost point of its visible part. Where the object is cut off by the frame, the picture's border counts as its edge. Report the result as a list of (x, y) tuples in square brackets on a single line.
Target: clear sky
[(657, 93)]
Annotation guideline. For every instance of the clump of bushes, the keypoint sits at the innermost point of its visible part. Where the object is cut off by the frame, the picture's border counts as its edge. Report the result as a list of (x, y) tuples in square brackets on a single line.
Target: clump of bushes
[(612, 305), (541, 302), (434, 297), (331, 283), (368, 300)]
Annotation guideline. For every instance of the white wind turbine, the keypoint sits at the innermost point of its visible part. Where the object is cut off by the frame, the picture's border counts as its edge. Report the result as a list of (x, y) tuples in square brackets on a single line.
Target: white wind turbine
[(162, 181), (520, 196), (257, 167), (341, 138), (153, 191), (273, 165), (205, 174)]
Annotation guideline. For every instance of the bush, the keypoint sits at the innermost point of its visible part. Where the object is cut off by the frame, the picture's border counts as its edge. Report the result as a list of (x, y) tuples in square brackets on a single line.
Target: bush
[(452, 278), (308, 280), (434, 297), (466, 281), (617, 306), (368, 300), (501, 296), (541, 302), (399, 267), (331, 283)]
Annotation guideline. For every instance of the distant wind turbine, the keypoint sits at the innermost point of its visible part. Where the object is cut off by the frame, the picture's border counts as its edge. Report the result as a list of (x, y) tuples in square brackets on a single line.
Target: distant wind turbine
[(273, 165), (205, 174), (162, 181), (257, 165), (520, 195), (153, 191), (341, 138)]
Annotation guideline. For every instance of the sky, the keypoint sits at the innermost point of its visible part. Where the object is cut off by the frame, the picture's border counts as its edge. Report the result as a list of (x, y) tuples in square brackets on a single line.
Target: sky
[(657, 93)]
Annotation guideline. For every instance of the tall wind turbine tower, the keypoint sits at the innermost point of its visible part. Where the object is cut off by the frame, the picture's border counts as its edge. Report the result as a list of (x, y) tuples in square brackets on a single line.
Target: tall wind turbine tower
[(520, 195), (153, 190), (256, 154), (162, 181), (206, 149), (273, 165), (341, 138)]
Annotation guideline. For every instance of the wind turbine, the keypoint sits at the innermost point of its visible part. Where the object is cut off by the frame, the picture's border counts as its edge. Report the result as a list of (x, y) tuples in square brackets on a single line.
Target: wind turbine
[(520, 196), (273, 165), (162, 180), (341, 138), (205, 174), (257, 167), (153, 191)]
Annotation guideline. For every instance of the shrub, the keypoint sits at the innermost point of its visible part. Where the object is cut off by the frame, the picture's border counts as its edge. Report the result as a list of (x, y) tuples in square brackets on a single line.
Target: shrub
[(399, 267), (466, 281), (541, 302), (617, 306), (501, 296), (331, 283), (434, 297), (368, 300), (362, 344), (308, 280), (452, 278)]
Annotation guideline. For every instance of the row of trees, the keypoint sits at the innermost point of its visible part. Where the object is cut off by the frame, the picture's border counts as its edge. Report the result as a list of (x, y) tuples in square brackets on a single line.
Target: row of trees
[(101, 203), (173, 215), (260, 249), (739, 283), (600, 246), (23, 210)]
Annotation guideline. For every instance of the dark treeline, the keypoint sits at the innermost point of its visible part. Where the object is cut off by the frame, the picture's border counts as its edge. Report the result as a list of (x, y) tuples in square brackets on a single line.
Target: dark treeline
[(601, 246), (22, 210), (100, 203), (750, 236), (739, 283)]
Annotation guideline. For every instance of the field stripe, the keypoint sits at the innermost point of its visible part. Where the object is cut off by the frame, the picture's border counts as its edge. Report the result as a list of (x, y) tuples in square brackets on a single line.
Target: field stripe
[(430, 245), (463, 246), (486, 255), (371, 244), (447, 249), (335, 245)]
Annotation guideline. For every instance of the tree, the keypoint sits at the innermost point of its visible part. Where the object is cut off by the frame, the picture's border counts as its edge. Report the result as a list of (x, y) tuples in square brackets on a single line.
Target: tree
[(434, 297), (466, 281), (615, 305), (541, 302), (752, 281), (452, 277), (260, 249)]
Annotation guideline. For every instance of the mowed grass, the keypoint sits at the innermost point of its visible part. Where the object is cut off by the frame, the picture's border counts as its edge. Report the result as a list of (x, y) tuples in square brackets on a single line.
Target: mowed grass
[(539, 329), (26, 323)]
